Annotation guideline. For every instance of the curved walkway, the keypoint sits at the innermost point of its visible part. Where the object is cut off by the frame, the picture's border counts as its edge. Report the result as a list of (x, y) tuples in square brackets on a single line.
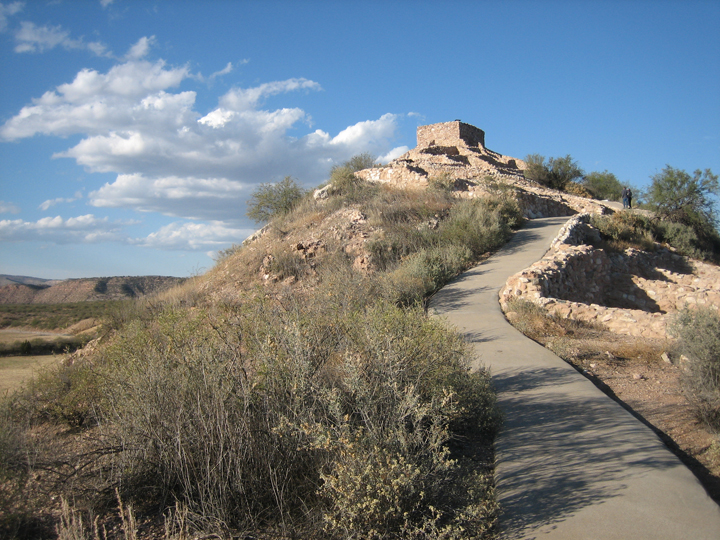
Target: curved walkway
[(570, 462)]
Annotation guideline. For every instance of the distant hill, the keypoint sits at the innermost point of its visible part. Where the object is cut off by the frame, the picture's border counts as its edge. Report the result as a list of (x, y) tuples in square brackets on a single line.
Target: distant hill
[(29, 290), (6, 279)]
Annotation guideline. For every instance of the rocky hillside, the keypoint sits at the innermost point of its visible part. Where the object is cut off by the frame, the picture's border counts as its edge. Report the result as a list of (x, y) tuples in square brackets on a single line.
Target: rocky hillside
[(85, 289)]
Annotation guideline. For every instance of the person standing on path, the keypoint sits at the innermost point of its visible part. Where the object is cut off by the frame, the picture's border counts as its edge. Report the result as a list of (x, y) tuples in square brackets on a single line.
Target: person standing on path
[(629, 194), (624, 197)]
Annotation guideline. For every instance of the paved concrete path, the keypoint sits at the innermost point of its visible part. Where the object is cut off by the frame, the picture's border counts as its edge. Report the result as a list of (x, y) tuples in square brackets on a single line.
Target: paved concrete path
[(571, 462)]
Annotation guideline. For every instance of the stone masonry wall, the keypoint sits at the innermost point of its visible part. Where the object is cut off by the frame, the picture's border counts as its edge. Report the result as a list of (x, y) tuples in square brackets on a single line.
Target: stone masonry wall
[(634, 293), (449, 134)]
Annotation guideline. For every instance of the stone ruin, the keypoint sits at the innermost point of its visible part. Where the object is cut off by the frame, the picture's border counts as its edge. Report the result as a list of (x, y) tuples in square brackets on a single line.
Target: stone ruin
[(451, 150), (455, 154), (634, 293)]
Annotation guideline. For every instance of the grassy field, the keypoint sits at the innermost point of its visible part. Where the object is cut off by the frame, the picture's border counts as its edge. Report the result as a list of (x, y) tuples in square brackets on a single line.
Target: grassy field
[(14, 370), (54, 316)]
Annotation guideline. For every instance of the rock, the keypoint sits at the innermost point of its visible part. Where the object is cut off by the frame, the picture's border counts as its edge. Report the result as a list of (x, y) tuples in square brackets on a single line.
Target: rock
[(638, 377), (321, 194), (665, 358)]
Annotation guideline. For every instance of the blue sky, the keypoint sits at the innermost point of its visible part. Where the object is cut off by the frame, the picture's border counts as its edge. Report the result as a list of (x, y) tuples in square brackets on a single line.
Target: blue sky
[(132, 132)]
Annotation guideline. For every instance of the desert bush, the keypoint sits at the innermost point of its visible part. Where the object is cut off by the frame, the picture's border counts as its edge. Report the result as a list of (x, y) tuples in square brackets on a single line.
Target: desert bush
[(246, 415), (698, 333), (271, 200), (575, 188), (555, 174), (442, 182), (603, 185), (685, 239), (678, 197), (622, 230), (625, 229), (62, 394)]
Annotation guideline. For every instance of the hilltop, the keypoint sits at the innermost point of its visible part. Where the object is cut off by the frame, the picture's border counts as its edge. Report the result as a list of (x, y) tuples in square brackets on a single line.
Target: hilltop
[(300, 388)]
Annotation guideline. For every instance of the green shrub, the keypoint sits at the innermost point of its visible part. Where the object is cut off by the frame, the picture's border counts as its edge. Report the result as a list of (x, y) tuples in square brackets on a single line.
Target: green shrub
[(272, 200), (603, 185), (678, 197), (555, 174), (626, 229), (698, 333)]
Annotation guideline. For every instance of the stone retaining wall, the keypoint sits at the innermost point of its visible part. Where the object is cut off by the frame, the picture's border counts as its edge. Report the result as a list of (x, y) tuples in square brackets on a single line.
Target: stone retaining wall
[(633, 293)]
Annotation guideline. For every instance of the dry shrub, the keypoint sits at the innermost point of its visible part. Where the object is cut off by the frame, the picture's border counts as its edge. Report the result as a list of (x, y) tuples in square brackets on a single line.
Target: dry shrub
[(623, 230), (574, 188), (265, 415), (532, 320), (698, 333)]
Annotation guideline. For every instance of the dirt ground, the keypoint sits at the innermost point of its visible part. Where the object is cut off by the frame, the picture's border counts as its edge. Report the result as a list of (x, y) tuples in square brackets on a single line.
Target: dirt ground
[(635, 374)]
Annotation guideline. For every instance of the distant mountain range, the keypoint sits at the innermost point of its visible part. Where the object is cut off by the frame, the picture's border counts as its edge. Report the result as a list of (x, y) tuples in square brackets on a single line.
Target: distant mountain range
[(31, 290)]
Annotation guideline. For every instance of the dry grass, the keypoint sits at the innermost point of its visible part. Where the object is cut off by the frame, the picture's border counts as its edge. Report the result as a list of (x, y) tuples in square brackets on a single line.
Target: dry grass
[(576, 341), (16, 370)]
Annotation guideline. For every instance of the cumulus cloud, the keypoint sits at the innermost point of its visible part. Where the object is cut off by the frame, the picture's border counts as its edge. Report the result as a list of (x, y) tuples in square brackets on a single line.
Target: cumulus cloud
[(172, 159), (8, 208), (393, 154), (193, 198), (85, 228), (97, 103), (194, 236), (6, 10)]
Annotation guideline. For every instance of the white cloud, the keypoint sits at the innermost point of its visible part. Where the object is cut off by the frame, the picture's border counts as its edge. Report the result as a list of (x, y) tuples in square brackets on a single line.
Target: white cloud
[(242, 99), (100, 103), (52, 202), (227, 69), (217, 118), (85, 228), (106, 3), (393, 154), (8, 208), (194, 236), (140, 49), (171, 159), (194, 198), (9, 9), (30, 38)]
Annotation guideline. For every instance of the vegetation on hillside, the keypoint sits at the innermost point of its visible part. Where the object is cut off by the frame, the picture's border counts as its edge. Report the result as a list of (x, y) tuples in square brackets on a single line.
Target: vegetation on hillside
[(321, 403), (627, 229), (698, 333), (556, 173), (679, 198), (274, 200), (603, 185)]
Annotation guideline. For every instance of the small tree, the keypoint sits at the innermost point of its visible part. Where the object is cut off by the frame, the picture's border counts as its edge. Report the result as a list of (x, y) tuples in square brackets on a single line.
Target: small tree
[(678, 197), (555, 174), (271, 200), (603, 185)]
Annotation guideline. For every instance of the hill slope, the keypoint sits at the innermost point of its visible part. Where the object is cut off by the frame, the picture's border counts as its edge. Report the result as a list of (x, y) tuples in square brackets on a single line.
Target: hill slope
[(84, 290)]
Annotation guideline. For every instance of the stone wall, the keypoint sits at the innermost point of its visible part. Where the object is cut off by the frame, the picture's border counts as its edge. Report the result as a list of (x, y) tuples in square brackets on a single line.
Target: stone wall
[(633, 293), (449, 134)]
